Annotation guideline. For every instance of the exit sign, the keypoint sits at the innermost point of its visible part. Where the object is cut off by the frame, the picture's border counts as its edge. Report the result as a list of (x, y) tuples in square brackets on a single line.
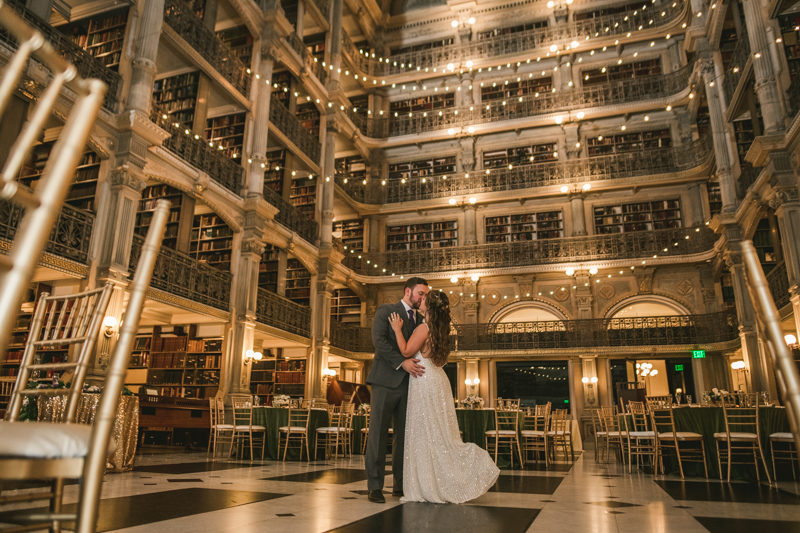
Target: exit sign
[(678, 368), (698, 354)]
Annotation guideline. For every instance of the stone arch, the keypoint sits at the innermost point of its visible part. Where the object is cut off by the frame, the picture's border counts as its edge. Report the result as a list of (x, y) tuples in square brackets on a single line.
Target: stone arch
[(669, 305), (543, 307)]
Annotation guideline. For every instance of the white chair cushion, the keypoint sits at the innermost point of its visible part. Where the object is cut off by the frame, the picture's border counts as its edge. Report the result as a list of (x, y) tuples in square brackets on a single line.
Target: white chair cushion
[(46, 440), (642, 434), (617, 433), (391, 430), (788, 437), (501, 432), (736, 436), (531, 433), (223, 426), (331, 430), (680, 435), (295, 429), (599, 433), (551, 433), (364, 430), (248, 428)]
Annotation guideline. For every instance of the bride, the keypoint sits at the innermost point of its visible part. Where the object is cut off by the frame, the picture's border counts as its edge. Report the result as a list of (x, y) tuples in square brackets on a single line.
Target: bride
[(438, 467)]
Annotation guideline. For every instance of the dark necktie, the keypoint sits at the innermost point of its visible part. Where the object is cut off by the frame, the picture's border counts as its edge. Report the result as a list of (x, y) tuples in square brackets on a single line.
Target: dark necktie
[(411, 317)]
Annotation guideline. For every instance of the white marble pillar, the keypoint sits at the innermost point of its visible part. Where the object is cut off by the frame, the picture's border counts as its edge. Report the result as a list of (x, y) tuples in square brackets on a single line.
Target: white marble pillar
[(144, 56), (578, 214), (765, 83), (261, 92), (726, 184), (470, 225)]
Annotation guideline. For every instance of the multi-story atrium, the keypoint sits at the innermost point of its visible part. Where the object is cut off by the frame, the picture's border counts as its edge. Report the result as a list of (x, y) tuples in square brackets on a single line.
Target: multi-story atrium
[(576, 175)]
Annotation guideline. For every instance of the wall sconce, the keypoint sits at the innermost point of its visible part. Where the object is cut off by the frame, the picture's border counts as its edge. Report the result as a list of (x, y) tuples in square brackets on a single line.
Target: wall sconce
[(250, 356), (109, 325), (472, 384), (589, 383), (790, 339)]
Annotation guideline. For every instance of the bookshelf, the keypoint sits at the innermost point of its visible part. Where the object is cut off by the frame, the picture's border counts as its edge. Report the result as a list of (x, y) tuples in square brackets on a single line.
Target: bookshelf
[(239, 40), (351, 232), (496, 32), (227, 131), (626, 71), (353, 168), (416, 47), (423, 103), (303, 195), (268, 269), (420, 236), (514, 89), (743, 128), (298, 282), (178, 96), (273, 174), (282, 86), (520, 155), (703, 119), (764, 245), (524, 227), (727, 44), (262, 376), (290, 377), (360, 103), (147, 206), (609, 10), (790, 30), (628, 142), (714, 198), (640, 216), (211, 241), (420, 169), (346, 306), (101, 35), (309, 117), (315, 44), (82, 192)]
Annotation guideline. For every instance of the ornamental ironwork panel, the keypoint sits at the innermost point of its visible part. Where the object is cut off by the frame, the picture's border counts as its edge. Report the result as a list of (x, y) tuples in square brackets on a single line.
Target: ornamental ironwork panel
[(181, 17), (310, 61), (279, 312), (741, 54), (656, 161), (637, 245), (181, 275), (290, 217), (71, 235), (86, 64), (288, 124), (778, 281), (351, 337)]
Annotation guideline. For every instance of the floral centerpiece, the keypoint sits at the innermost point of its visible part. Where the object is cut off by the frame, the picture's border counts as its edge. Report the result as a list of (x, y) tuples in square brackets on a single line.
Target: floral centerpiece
[(363, 409), (473, 401), (716, 394), (281, 400)]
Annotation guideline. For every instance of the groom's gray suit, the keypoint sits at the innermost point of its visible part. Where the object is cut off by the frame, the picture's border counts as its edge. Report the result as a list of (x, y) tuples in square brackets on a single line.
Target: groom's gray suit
[(389, 397)]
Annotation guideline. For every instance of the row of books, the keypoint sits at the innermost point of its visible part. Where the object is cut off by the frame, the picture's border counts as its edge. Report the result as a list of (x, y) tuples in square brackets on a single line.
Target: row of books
[(290, 377), (170, 344), (210, 246)]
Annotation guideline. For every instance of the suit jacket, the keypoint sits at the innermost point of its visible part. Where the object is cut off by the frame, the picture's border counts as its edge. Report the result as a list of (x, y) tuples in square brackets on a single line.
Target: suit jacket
[(387, 355)]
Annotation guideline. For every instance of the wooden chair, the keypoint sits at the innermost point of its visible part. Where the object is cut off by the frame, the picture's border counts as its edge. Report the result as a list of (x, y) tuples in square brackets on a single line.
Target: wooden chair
[(61, 451), (788, 454), (600, 435), (338, 433), (297, 431), (216, 411), (742, 438), (641, 440), (534, 433), (615, 435), (243, 428), (663, 423), (560, 434), (506, 432), (659, 401)]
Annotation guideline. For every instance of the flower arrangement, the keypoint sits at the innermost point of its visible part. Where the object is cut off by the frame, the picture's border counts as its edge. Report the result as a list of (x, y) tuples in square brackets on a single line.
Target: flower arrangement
[(717, 394), (363, 409), (472, 401), (280, 400)]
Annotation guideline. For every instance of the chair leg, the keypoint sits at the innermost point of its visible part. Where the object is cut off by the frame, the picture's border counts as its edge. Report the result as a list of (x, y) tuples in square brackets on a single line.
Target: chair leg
[(703, 449), (719, 459), (286, 445), (55, 503), (761, 454), (730, 458)]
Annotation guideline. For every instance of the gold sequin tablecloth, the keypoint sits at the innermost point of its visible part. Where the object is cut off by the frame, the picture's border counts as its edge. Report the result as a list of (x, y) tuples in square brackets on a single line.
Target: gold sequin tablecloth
[(126, 424)]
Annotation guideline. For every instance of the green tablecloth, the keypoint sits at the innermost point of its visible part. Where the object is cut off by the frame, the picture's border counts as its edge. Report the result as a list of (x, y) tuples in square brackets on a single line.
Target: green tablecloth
[(710, 420), (273, 418)]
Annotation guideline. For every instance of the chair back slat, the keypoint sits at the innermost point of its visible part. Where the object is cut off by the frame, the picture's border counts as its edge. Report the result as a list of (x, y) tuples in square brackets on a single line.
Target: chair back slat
[(298, 417), (660, 401), (220, 408), (242, 412), (638, 416)]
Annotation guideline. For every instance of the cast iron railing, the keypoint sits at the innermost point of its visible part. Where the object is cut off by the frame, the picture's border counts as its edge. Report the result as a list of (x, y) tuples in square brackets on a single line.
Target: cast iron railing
[(279, 312), (289, 217), (517, 43), (637, 245), (741, 54), (71, 235), (311, 64), (180, 16), (606, 94), (351, 337), (184, 276), (778, 280), (87, 65), (646, 163), (288, 124)]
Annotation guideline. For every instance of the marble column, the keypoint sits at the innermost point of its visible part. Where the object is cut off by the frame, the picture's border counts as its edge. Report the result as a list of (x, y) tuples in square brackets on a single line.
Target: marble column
[(765, 83), (261, 93), (327, 189), (466, 92), (696, 211), (374, 235), (301, 12), (144, 56), (336, 44), (726, 183), (787, 210), (470, 225), (578, 214)]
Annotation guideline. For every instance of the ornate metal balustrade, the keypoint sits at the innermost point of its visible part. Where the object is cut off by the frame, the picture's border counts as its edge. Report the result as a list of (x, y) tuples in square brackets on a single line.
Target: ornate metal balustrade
[(658, 161), (351, 337), (618, 92), (198, 153), (778, 280), (288, 124), (71, 235), (284, 314), (324, 7), (184, 276), (748, 176), (517, 43), (87, 65), (289, 217), (794, 95), (741, 54), (314, 66), (181, 17), (638, 245)]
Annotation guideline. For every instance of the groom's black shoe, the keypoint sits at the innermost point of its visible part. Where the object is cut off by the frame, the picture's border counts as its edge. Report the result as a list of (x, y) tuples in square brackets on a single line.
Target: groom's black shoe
[(397, 493), (376, 496)]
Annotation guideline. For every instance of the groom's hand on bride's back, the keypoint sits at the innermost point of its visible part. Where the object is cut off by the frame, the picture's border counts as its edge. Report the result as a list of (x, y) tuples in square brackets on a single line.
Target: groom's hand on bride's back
[(413, 367)]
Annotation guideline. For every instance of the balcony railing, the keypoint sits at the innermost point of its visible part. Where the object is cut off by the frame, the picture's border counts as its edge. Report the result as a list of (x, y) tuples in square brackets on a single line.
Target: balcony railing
[(281, 313), (323, 6), (606, 94), (198, 153), (351, 337), (87, 65), (778, 281), (741, 55), (184, 276), (288, 124), (646, 163), (289, 217), (638, 245), (651, 17), (71, 235), (180, 16), (314, 66)]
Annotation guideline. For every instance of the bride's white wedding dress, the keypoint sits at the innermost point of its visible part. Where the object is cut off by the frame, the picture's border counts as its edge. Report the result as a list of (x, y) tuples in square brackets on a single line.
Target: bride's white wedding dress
[(439, 467)]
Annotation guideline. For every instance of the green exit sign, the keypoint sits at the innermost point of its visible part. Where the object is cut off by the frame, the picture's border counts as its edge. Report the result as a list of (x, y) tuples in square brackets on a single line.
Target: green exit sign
[(678, 368), (698, 354)]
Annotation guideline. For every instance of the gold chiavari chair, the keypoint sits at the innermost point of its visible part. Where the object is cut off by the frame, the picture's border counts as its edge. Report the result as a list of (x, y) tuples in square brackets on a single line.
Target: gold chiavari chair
[(295, 431), (659, 401), (534, 432), (560, 435), (615, 435), (742, 438), (243, 428), (781, 454), (338, 433), (218, 425), (60, 451), (600, 435), (641, 441), (663, 423), (506, 432)]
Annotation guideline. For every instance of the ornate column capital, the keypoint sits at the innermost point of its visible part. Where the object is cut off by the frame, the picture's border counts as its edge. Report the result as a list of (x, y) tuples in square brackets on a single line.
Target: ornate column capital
[(124, 177)]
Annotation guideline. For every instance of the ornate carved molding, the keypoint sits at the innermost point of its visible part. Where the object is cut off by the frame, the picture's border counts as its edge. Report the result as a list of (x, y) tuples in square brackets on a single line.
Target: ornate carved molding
[(123, 177)]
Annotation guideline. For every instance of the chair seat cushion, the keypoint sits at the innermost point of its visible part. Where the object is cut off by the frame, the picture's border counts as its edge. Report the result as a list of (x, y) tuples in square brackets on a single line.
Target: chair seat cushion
[(531, 433), (551, 433), (493, 432), (736, 435), (617, 433), (46, 440), (642, 434), (332, 430), (680, 435), (223, 426), (364, 430), (248, 428), (295, 429), (781, 436), (600, 433)]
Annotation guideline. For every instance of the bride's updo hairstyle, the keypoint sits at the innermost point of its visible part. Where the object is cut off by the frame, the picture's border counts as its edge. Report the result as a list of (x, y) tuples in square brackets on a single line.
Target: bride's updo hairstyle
[(439, 327)]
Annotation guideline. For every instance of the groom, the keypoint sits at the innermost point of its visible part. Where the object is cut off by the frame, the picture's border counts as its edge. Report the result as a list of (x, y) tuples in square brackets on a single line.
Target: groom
[(389, 381)]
